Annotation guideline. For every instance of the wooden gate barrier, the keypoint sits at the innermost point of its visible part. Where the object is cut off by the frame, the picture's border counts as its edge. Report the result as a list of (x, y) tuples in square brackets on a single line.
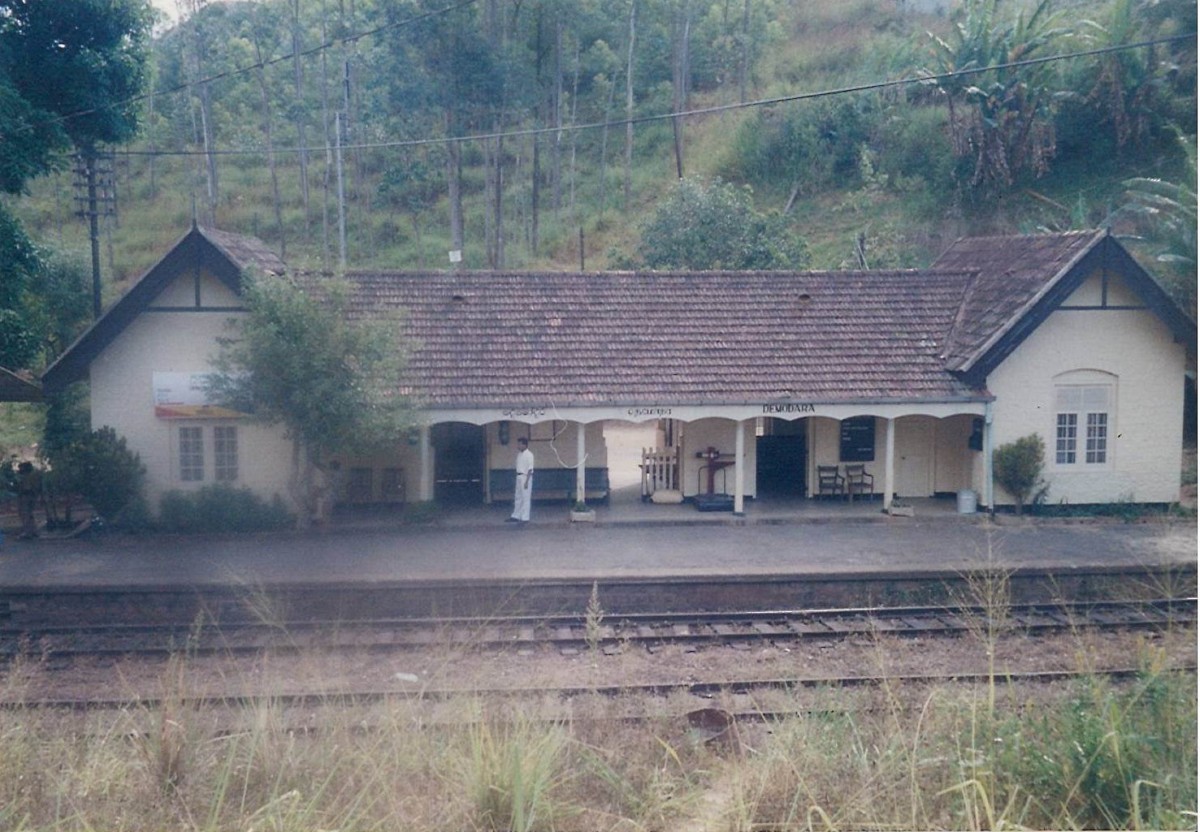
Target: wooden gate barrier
[(660, 470)]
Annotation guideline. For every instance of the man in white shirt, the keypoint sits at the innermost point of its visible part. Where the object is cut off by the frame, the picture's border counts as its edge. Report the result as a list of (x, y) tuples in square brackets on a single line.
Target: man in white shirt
[(524, 484)]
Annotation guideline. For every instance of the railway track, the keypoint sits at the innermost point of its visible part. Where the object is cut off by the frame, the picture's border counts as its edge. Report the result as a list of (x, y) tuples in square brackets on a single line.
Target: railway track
[(702, 689), (577, 632)]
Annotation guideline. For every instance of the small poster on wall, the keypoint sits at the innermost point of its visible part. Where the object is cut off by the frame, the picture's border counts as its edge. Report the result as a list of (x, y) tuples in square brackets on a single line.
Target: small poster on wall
[(185, 396)]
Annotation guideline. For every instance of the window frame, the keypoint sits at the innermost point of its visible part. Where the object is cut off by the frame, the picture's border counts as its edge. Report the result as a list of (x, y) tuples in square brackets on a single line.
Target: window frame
[(225, 453), (190, 453), (1083, 429)]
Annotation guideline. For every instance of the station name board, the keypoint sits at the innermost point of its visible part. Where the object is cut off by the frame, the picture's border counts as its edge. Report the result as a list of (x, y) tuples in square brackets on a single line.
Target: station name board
[(770, 409)]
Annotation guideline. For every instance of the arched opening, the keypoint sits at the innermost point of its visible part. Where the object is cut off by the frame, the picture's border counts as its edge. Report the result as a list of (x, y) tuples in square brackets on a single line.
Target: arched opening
[(781, 448), (459, 453)]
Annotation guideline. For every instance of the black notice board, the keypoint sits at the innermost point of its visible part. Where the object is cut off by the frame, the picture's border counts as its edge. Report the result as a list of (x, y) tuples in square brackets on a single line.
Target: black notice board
[(858, 439)]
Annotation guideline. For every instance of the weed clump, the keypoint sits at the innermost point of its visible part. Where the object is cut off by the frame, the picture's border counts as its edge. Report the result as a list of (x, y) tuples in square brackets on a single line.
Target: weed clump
[(221, 508)]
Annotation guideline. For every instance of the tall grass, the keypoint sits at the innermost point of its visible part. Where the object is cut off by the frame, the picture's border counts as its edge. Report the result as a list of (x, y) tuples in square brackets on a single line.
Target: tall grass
[(1101, 757), (1093, 754)]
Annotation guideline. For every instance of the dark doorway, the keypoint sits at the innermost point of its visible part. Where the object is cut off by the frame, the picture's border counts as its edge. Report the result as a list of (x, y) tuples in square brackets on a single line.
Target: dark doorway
[(459, 463), (782, 452)]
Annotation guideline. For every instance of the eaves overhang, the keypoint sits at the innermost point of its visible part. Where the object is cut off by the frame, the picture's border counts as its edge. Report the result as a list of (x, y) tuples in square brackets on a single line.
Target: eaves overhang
[(587, 412), (193, 250), (1103, 254)]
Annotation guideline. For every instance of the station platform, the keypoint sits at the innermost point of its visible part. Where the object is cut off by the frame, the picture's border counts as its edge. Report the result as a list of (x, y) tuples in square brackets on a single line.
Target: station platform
[(479, 546)]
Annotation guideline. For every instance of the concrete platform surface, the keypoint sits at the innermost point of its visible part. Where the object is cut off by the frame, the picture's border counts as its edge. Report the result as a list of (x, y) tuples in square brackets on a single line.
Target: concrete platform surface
[(508, 552)]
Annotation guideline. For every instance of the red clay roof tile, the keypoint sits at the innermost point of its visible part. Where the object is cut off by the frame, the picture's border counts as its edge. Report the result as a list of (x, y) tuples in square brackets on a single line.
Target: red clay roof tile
[(487, 339)]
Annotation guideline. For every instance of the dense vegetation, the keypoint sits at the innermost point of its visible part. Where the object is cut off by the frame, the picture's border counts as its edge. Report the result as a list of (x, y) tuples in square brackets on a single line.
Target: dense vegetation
[(568, 105)]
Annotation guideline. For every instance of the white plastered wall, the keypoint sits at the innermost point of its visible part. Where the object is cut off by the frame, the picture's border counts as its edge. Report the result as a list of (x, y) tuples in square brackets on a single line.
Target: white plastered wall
[(404, 457), (720, 434), (1146, 423), (554, 446), (932, 454), (122, 395)]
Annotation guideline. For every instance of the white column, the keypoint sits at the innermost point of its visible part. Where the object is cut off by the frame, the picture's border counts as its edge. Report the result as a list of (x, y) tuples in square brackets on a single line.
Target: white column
[(889, 464), (580, 464), (988, 483), (739, 468), (426, 490)]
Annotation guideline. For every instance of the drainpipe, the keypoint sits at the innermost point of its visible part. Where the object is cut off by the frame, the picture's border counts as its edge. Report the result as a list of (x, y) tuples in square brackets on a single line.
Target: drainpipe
[(580, 464), (988, 482), (739, 469)]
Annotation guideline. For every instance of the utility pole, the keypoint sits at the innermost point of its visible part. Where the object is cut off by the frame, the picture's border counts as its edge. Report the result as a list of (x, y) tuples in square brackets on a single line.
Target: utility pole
[(341, 192), (95, 192), (340, 119)]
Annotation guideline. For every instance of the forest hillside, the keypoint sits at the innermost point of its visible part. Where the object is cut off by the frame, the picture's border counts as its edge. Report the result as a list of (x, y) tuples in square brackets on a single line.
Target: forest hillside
[(552, 134)]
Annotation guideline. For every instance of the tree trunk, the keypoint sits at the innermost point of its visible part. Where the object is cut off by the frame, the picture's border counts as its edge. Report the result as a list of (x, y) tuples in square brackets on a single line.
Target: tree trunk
[(536, 166), (682, 73), (744, 54), (153, 148), (574, 133), (301, 130), (267, 134), (556, 168), (498, 203), (612, 89), (629, 104), (206, 127), (325, 246)]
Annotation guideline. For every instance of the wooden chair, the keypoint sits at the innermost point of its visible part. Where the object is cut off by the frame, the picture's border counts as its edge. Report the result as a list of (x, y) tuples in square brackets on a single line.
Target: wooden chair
[(858, 481), (830, 481)]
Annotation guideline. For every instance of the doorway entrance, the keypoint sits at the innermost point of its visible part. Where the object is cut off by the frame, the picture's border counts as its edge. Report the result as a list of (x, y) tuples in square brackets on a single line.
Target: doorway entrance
[(459, 454), (781, 452)]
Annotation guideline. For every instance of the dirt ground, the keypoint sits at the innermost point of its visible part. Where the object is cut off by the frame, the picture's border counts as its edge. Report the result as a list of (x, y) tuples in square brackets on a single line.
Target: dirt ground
[(476, 671)]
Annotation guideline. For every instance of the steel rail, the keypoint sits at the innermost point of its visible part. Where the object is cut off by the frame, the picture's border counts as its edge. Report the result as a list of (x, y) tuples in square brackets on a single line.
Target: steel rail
[(575, 631), (696, 688)]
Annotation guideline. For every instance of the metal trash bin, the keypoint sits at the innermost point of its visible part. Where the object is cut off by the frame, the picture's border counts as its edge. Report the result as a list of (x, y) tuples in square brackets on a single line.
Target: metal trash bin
[(968, 503)]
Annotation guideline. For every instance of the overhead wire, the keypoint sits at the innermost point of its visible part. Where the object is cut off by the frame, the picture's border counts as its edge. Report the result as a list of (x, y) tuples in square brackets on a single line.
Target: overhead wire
[(262, 64), (921, 79)]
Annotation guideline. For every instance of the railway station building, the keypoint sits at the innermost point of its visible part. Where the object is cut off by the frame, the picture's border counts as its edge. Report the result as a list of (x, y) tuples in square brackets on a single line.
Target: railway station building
[(806, 385)]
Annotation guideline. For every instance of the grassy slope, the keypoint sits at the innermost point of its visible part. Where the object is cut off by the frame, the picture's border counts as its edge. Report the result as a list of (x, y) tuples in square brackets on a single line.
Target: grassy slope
[(824, 46)]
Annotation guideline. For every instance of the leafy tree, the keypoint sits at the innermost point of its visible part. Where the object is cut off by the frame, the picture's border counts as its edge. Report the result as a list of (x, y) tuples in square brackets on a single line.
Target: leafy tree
[(44, 299), (1017, 466), (1165, 212), (69, 73), (299, 360), (411, 185), (18, 264), (703, 225), (1001, 121)]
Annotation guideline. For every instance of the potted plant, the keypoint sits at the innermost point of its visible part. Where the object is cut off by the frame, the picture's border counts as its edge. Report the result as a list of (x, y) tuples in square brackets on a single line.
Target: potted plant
[(580, 513), (899, 508)]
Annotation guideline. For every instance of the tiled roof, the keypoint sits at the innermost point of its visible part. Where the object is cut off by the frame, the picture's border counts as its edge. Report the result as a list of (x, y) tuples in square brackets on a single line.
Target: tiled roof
[(245, 252), (1013, 273), (489, 339), (15, 387)]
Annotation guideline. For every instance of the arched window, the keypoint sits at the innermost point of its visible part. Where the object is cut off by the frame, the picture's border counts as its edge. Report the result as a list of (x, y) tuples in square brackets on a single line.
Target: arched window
[(1085, 403)]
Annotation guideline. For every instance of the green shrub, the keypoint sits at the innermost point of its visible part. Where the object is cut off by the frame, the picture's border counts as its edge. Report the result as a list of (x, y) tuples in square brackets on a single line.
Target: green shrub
[(100, 467), (221, 508), (1108, 758), (713, 225), (814, 142), (1017, 466)]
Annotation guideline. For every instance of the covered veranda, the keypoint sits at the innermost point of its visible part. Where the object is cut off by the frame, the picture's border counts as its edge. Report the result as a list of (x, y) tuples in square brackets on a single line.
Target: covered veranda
[(904, 447)]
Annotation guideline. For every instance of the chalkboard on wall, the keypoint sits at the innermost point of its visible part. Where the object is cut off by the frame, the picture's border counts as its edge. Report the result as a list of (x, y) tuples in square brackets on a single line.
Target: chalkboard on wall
[(858, 439)]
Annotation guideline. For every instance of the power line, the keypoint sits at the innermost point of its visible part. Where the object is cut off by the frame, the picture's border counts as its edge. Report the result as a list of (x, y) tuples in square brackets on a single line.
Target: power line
[(232, 73), (924, 79)]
